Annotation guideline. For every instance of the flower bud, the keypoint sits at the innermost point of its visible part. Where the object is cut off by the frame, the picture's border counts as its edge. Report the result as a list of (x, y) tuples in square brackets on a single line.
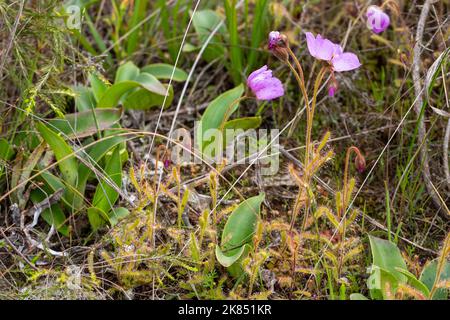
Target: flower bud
[(278, 44), (360, 163), (331, 90)]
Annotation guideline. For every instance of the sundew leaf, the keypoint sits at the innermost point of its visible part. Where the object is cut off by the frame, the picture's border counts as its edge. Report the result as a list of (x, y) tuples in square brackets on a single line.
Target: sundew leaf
[(164, 71)]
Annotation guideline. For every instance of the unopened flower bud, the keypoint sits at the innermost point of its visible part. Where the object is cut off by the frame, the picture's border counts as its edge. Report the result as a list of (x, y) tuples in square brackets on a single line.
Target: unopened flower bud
[(360, 163), (278, 44), (331, 90)]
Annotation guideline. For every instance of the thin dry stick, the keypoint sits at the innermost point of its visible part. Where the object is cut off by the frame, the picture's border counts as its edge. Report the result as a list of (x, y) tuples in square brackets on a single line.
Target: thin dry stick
[(447, 135), (419, 104)]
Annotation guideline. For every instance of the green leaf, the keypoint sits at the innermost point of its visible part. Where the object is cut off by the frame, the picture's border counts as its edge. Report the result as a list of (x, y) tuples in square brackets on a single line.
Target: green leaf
[(164, 71), (358, 296), (105, 195), (204, 22), (428, 277), (83, 124), (97, 218), (143, 99), (228, 260), (245, 123), (127, 71), (387, 259), (215, 113), (53, 215), (378, 280), (98, 86), (53, 183), (68, 166), (386, 255), (6, 151), (117, 214), (240, 226), (84, 98), (151, 83), (112, 96), (412, 281)]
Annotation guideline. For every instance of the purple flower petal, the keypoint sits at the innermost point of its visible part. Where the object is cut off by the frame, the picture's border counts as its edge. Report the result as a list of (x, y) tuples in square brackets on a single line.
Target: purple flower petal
[(319, 47), (263, 85), (377, 20), (272, 89), (311, 42), (255, 74), (345, 62)]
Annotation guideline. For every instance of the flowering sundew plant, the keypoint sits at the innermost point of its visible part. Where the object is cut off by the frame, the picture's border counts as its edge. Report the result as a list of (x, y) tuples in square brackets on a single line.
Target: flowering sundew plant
[(220, 150), (336, 60)]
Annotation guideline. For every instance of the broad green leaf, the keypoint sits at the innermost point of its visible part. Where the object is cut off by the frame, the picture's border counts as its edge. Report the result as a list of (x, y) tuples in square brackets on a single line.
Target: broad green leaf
[(358, 296), (97, 218), (205, 21), (85, 123), (387, 259), (216, 112), (240, 226), (98, 86), (429, 274), (53, 183), (228, 260), (415, 283), (151, 83), (245, 123), (53, 215), (105, 195), (6, 151), (143, 99), (127, 71), (387, 256), (164, 71), (112, 96), (117, 214), (84, 98), (68, 166), (379, 280)]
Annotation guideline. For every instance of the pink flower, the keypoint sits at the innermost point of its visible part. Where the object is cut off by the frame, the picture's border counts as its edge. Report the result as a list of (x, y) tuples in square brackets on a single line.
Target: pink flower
[(324, 49), (263, 85), (377, 20)]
